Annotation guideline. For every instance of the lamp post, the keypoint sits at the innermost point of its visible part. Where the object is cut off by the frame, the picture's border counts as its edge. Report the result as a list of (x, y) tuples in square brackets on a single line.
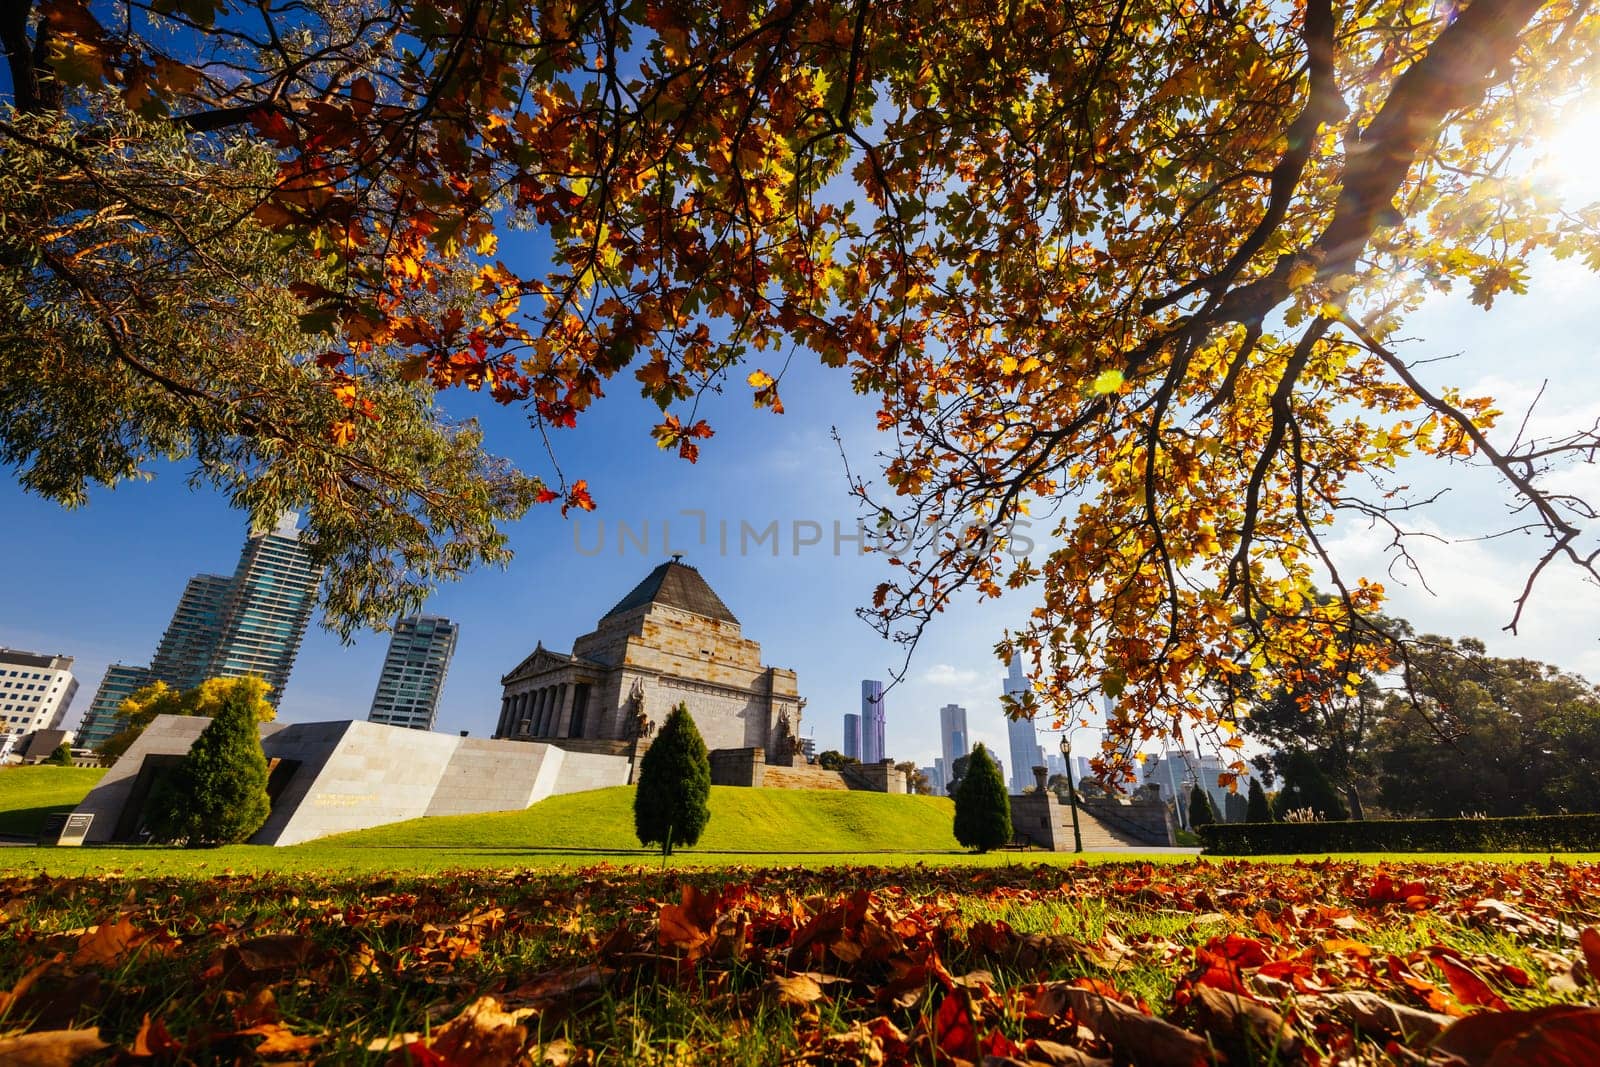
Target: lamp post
[(1072, 789)]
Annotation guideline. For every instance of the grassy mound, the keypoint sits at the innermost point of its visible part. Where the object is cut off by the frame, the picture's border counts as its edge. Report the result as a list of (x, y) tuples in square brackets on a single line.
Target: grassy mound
[(29, 794), (742, 820)]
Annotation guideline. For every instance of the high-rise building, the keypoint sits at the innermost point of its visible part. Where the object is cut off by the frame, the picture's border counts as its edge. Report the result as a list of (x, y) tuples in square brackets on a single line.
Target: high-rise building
[(104, 717), (873, 722), (1026, 752), (268, 605), (35, 691), (413, 672), (939, 776), (852, 736), (190, 643), (952, 735)]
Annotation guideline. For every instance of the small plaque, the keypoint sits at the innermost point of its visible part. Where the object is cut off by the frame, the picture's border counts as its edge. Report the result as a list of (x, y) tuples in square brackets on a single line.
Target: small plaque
[(76, 829), (54, 823)]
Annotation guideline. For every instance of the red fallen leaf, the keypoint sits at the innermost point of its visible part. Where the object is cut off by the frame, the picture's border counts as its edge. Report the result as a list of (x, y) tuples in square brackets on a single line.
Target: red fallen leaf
[(688, 925), (1465, 983), (106, 944), (1372, 1012), (954, 1032), (481, 1036), (1248, 1022), (1144, 1039), (1589, 941), (154, 1040), (266, 959), (1566, 1035), (50, 1048)]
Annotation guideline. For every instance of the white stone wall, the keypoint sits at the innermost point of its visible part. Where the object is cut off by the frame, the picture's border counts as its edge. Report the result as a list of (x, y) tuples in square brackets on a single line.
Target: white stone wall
[(355, 775)]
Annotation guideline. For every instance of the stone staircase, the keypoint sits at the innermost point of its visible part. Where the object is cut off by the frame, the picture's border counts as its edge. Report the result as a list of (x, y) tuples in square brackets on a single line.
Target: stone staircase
[(1101, 836)]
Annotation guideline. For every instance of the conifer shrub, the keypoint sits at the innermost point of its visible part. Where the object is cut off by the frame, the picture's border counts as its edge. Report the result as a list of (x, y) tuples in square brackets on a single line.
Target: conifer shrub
[(1257, 809), (61, 757), (1201, 813), (983, 810), (673, 801), (218, 794)]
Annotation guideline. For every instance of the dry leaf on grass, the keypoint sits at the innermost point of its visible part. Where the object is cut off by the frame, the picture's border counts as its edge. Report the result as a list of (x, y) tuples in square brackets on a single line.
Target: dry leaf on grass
[(50, 1048), (1142, 1038)]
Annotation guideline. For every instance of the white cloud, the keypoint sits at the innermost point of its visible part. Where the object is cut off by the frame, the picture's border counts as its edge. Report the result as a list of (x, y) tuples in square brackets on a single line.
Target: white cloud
[(944, 674)]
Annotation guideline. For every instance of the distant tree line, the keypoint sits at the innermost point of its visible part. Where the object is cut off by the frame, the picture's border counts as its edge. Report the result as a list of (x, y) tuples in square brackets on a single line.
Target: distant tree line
[(1449, 730)]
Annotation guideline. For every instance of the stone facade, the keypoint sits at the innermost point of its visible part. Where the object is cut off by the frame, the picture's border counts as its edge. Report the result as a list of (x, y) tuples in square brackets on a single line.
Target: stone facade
[(331, 777), (670, 640), (749, 767)]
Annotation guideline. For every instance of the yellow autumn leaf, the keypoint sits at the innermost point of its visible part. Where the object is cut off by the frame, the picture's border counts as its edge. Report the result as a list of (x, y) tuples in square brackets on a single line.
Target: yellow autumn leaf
[(1107, 381)]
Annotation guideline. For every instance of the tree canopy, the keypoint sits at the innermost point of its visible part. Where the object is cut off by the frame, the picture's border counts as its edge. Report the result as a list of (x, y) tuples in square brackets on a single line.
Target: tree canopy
[(1135, 270), (1478, 734), (205, 700)]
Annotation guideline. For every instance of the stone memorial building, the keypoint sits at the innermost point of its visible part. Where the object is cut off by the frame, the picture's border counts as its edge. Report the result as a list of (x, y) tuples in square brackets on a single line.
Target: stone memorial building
[(670, 640)]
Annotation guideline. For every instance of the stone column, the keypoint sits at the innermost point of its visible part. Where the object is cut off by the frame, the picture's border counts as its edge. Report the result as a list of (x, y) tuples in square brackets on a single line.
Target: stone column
[(505, 713), (523, 700), (563, 714), (537, 714), (547, 707)]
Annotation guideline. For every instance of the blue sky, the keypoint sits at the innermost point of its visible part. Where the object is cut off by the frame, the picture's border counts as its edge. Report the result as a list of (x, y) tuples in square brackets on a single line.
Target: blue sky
[(100, 583)]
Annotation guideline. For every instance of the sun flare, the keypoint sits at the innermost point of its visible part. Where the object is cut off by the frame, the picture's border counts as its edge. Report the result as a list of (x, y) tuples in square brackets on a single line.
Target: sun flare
[(1568, 158)]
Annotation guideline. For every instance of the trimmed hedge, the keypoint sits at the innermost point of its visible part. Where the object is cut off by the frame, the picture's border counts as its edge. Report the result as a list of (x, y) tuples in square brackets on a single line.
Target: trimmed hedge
[(1529, 833)]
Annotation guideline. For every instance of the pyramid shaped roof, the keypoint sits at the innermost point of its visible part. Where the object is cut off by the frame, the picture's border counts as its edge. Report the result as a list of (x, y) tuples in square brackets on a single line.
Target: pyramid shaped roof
[(677, 585)]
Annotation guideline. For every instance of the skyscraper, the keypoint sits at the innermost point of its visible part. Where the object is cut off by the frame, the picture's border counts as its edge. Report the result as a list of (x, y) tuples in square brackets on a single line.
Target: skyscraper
[(852, 736), (952, 735), (268, 605), (872, 722), (1026, 752), (104, 717), (413, 672), (187, 648)]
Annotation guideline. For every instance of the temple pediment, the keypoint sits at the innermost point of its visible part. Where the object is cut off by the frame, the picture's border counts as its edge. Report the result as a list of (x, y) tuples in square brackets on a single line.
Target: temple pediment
[(542, 660)]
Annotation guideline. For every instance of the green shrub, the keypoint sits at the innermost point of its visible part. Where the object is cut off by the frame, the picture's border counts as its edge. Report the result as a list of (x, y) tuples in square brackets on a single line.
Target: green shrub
[(1257, 809), (218, 794), (61, 757), (1201, 813), (983, 810), (673, 801), (1529, 833)]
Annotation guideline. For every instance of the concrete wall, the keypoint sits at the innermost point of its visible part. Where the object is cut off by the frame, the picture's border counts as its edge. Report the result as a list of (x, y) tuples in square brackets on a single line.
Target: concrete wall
[(748, 767), (874, 777), (355, 775)]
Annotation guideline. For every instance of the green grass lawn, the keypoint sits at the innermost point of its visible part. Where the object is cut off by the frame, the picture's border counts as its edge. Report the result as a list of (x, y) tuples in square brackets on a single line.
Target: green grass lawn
[(29, 794), (742, 820)]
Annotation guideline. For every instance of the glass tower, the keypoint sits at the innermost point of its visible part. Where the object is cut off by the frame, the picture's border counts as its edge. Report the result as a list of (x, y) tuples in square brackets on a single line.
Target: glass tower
[(190, 642), (413, 672), (1020, 733), (872, 722), (104, 717), (268, 604)]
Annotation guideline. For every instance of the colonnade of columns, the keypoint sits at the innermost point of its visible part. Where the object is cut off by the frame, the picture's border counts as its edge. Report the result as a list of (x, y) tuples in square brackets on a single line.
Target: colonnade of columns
[(543, 712)]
